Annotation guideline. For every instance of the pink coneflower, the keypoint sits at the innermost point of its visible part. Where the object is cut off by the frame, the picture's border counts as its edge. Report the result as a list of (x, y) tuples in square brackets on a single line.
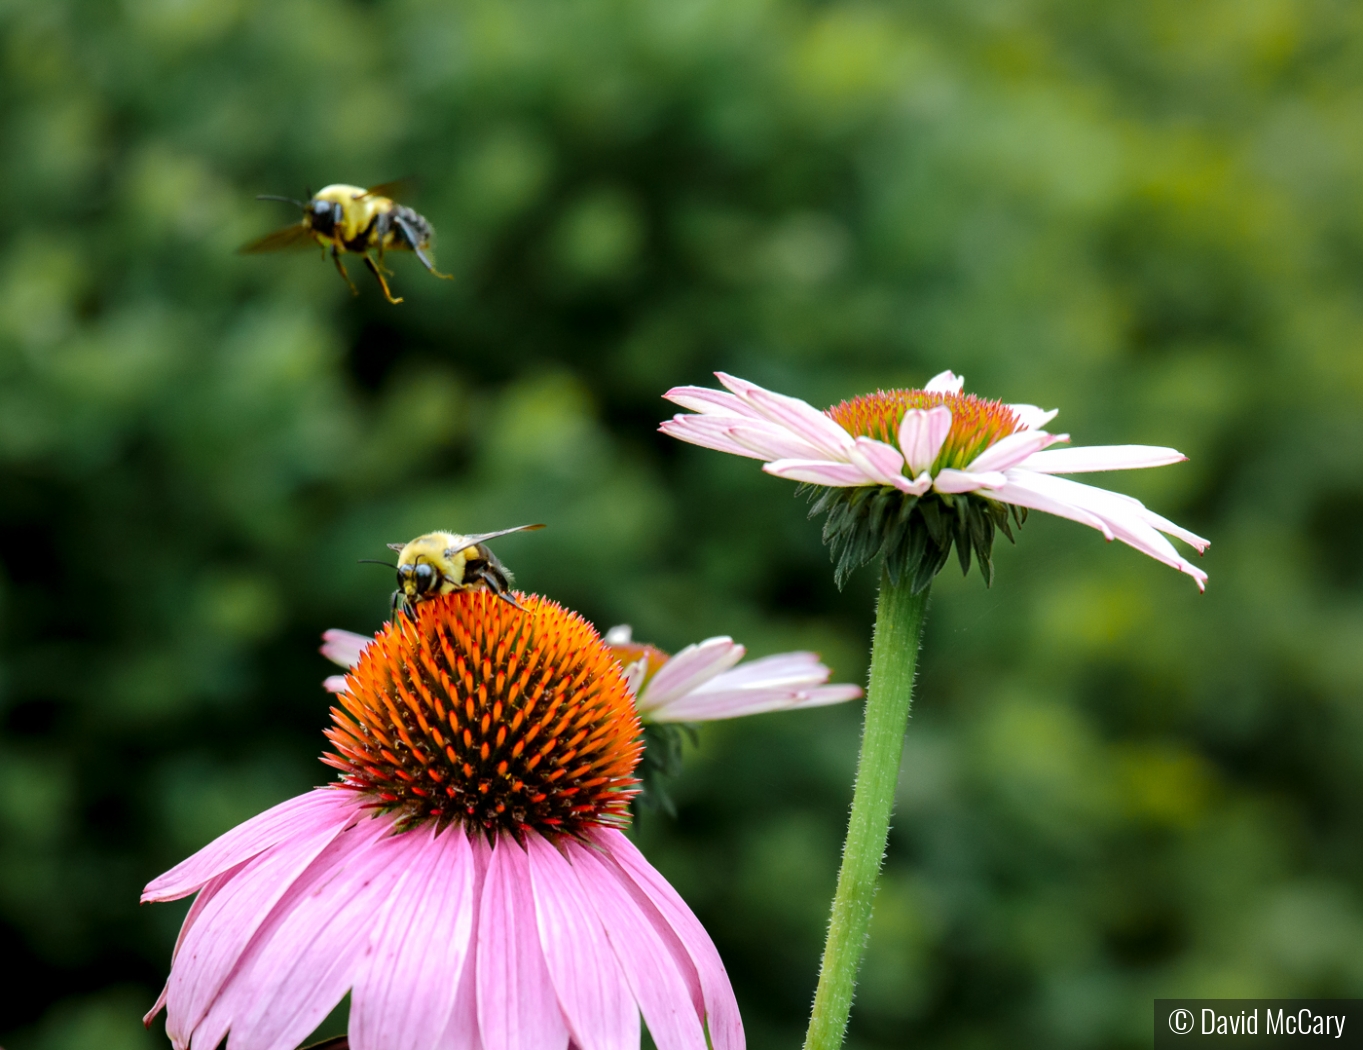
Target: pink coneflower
[(466, 881), (935, 464), (699, 684)]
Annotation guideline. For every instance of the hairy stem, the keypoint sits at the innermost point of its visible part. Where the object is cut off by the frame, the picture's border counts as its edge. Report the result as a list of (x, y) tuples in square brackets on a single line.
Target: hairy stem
[(894, 656)]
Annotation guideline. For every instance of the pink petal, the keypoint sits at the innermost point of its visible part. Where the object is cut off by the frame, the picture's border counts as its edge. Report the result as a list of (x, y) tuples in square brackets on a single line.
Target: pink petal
[(655, 963), (951, 480), (344, 647), (592, 990), (517, 1005), (820, 472), (462, 1031), (947, 382), (1033, 418), (721, 1009), (922, 432), (707, 433), (195, 910), (800, 417), (304, 958), (1102, 457), (213, 947), (689, 668), (711, 402), (878, 460), (1012, 450), (404, 990), (334, 683), (323, 810)]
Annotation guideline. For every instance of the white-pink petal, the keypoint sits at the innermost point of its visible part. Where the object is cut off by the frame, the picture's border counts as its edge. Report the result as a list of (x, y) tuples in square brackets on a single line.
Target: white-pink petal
[(710, 402), (879, 461), (404, 990), (1121, 516), (820, 472), (950, 480), (765, 440), (1101, 457), (1033, 418), (688, 669), (517, 1006), (707, 432), (947, 382), (922, 432), (1012, 450), (775, 683), (1019, 491), (800, 417), (334, 683), (591, 987)]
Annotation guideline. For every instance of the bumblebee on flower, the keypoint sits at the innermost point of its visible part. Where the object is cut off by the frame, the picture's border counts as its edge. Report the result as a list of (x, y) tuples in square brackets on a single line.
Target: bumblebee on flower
[(466, 881)]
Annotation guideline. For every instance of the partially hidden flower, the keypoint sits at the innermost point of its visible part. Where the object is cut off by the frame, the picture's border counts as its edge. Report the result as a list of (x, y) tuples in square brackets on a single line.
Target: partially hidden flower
[(904, 474), (699, 684), (466, 881)]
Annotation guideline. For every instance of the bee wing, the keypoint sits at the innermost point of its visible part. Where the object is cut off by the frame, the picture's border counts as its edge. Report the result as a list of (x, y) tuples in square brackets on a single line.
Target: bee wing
[(483, 537), (295, 236), (395, 190), (396, 546)]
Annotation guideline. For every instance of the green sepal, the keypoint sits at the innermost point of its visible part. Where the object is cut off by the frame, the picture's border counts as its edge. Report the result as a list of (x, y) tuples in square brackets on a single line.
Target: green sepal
[(914, 535), (662, 761)]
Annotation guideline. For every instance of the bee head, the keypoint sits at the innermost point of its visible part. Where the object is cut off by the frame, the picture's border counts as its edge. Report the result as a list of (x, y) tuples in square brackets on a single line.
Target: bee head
[(419, 579), (323, 216)]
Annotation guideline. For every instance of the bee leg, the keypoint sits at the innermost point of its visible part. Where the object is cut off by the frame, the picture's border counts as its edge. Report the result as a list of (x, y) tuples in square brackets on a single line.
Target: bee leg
[(378, 273), (497, 585), (414, 242), (340, 268)]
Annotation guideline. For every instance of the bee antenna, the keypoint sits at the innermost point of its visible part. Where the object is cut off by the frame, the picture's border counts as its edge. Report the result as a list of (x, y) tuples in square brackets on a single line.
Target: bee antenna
[(275, 197), (375, 561)]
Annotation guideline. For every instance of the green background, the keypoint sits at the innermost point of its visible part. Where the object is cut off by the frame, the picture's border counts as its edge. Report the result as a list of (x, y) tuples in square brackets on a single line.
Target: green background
[(1147, 214)]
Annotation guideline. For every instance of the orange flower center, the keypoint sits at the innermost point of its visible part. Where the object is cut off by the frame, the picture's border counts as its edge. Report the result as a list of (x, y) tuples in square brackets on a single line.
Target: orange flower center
[(477, 712), (976, 422)]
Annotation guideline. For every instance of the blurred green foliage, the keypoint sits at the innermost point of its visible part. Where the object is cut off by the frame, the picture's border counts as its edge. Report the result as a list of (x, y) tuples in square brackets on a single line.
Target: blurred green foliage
[(1147, 214)]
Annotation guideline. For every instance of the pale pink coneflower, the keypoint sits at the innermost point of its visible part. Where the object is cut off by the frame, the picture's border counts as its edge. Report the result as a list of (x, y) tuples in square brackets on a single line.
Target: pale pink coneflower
[(906, 472), (698, 684), (466, 882), (705, 681)]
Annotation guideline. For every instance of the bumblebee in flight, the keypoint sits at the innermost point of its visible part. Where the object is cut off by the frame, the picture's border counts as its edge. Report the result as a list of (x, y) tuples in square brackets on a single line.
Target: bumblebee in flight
[(350, 219), (444, 562)]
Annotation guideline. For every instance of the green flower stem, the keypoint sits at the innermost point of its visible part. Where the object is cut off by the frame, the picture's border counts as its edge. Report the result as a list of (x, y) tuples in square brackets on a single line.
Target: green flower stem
[(894, 656)]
